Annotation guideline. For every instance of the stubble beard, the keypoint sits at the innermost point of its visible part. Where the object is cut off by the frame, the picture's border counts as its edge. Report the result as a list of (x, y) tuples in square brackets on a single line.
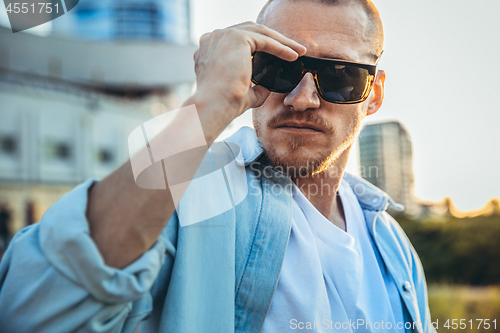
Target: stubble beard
[(296, 167)]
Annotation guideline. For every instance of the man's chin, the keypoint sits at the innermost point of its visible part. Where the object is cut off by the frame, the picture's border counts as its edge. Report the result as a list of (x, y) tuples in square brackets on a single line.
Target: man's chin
[(295, 165)]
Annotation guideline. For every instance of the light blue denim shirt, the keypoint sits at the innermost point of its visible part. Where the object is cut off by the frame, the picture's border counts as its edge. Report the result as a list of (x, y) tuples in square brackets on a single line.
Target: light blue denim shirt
[(218, 275)]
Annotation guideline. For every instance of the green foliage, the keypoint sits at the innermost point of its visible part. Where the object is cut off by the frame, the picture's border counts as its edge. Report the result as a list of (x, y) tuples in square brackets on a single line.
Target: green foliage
[(462, 302), (457, 250)]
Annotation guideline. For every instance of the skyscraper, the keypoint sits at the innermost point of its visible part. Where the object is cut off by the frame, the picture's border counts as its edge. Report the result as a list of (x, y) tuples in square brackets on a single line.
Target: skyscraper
[(386, 161), (163, 20)]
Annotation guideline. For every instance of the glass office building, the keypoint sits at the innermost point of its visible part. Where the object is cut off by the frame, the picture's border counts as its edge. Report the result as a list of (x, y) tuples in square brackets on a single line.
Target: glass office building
[(386, 160), (165, 20)]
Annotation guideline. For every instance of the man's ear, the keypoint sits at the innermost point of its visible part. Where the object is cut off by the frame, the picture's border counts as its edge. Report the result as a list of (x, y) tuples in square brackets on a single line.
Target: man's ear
[(377, 94)]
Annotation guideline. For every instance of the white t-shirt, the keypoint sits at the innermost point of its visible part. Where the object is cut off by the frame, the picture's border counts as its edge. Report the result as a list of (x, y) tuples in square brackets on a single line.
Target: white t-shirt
[(333, 280)]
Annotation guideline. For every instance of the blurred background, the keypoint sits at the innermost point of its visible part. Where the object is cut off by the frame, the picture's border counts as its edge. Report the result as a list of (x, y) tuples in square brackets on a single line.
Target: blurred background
[(71, 91)]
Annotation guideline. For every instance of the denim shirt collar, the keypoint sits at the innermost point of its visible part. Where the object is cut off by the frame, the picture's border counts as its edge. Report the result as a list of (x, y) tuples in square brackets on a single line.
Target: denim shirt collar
[(250, 147), (369, 196)]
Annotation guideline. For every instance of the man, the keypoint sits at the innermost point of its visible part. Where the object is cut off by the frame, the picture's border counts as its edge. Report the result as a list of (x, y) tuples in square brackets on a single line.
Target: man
[(319, 254)]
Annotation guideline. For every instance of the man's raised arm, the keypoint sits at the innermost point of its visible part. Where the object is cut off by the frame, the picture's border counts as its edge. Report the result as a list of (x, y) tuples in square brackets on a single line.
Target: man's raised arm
[(89, 264), (125, 220)]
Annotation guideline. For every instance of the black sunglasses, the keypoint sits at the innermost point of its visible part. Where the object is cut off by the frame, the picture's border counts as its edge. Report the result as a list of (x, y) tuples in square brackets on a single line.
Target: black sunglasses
[(340, 82)]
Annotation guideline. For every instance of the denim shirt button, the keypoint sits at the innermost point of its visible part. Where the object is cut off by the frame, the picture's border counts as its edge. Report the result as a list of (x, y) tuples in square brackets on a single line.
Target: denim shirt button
[(407, 286)]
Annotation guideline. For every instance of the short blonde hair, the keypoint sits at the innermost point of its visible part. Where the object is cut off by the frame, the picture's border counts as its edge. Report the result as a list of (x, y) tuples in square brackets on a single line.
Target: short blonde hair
[(376, 27)]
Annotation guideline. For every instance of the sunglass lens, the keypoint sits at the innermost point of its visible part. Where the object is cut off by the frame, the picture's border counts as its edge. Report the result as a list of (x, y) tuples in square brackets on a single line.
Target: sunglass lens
[(340, 83), (274, 73)]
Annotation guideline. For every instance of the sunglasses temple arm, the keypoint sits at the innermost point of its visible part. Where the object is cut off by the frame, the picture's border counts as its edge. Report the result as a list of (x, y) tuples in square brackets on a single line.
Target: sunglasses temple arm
[(378, 59)]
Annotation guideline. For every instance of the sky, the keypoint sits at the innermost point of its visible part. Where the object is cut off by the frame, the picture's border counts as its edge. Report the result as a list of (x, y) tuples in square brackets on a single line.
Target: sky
[(443, 83)]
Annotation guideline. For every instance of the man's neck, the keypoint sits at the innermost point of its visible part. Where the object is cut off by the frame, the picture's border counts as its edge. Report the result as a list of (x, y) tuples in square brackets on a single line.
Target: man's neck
[(321, 190)]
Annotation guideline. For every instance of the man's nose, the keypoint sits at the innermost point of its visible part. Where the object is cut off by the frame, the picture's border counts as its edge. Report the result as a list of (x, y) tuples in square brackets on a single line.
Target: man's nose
[(304, 96)]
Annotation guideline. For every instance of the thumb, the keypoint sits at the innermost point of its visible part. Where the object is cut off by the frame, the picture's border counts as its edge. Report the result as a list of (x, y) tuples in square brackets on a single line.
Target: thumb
[(257, 95)]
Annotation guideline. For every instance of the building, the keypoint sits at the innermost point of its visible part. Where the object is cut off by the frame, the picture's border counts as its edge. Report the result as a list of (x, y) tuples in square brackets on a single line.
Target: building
[(386, 161), (67, 108), (165, 20)]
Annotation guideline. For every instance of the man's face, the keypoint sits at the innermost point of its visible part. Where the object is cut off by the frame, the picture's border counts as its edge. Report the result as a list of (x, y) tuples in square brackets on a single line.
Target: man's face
[(336, 32)]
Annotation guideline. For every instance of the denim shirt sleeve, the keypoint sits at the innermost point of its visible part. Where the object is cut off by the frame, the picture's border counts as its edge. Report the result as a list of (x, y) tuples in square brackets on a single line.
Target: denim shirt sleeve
[(53, 278)]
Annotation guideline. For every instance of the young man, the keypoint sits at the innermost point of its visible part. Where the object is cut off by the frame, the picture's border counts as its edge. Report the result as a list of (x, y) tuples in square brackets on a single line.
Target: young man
[(309, 247)]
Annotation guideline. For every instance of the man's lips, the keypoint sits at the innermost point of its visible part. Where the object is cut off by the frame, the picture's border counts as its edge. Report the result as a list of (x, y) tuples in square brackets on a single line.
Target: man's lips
[(300, 127)]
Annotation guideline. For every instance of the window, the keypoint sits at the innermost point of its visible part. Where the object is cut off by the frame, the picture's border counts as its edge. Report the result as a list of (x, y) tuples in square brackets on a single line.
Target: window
[(86, 10), (8, 145), (57, 150), (105, 156), (141, 19)]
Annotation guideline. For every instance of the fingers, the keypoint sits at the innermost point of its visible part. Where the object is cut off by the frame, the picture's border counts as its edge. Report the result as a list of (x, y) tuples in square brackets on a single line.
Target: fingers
[(259, 42), (231, 48), (260, 38), (204, 37), (275, 35), (257, 95)]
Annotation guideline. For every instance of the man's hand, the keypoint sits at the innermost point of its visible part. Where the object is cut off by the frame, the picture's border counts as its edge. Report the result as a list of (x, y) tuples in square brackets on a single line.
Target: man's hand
[(223, 66), (126, 220)]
